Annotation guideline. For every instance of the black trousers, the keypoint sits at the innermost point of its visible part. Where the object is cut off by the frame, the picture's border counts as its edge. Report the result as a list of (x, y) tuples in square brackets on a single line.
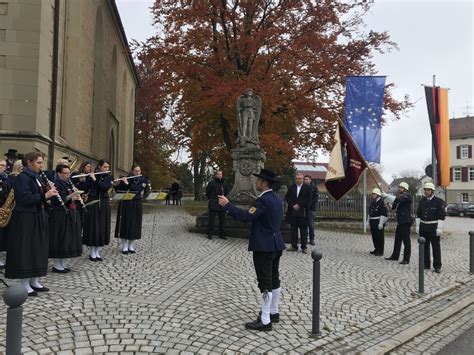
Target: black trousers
[(402, 234), (267, 266), (303, 227), (210, 222), (435, 243), (377, 238)]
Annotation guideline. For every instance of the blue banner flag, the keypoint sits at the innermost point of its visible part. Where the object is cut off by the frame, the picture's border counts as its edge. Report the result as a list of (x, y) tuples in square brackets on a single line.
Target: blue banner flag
[(363, 113)]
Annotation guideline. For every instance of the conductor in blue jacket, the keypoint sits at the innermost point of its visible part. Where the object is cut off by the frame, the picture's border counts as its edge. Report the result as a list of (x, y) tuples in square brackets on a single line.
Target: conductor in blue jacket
[(266, 243)]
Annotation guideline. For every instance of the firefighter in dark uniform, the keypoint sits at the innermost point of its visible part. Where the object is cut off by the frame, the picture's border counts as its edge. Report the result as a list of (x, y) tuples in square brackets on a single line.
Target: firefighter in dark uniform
[(430, 217), (266, 243), (377, 219), (402, 204)]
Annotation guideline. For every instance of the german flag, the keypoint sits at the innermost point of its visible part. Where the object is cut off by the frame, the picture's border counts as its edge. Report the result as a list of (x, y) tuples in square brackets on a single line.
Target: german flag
[(437, 102)]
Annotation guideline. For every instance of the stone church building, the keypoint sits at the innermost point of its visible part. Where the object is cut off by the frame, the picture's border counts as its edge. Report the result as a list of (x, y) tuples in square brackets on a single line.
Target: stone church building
[(67, 81)]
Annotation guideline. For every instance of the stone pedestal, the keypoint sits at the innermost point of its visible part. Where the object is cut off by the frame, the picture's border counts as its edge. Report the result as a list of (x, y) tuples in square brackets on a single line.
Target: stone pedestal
[(248, 160)]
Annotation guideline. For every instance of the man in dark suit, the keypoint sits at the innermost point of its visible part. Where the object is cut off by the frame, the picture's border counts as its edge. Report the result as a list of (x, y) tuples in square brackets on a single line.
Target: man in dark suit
[(402, 204), (297, 215), (12, 157), (266, 243), (215, 188)]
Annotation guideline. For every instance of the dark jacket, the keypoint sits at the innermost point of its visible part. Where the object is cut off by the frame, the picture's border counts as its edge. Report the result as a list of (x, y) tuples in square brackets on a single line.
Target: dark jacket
[(4, 188), (430, 211), (402, 205), (377, 208), (29, 192), (314, 198), (303, 200), (136, 185), (100, 188), (215, 188), (265, 218)]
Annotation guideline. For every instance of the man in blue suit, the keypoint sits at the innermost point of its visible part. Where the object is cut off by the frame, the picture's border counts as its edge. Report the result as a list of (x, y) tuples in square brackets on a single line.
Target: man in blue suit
[(266, 243)]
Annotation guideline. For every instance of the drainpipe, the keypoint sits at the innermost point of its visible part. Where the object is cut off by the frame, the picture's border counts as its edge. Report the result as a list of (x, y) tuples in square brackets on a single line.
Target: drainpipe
[(54, 87)]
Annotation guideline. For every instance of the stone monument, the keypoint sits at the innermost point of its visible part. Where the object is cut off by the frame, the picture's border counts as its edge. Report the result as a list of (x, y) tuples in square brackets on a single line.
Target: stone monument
[(248, 157)]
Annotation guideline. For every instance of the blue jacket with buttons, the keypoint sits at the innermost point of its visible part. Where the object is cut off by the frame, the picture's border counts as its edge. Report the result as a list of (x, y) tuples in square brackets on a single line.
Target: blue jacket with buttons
[(265, 218)]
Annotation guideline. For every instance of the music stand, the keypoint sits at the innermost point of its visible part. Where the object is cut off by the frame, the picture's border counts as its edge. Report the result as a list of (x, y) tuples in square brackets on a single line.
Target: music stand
[(152, 196)]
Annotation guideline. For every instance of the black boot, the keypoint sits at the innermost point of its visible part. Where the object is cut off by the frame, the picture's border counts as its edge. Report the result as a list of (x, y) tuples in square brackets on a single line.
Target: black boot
[(257, 325)]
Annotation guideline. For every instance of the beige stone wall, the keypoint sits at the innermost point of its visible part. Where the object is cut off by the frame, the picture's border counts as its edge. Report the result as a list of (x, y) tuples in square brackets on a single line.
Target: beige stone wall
[(95, 86)]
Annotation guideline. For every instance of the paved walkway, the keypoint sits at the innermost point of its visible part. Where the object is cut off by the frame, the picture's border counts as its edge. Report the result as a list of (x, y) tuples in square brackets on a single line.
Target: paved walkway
[(182, 292)]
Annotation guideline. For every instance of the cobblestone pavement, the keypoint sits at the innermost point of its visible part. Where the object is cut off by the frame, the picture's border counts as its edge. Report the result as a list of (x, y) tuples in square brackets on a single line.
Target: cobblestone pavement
[(183, 292)]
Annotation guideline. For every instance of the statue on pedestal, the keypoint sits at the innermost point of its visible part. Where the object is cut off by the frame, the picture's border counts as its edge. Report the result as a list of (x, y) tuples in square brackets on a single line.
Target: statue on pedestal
[(248, 157)]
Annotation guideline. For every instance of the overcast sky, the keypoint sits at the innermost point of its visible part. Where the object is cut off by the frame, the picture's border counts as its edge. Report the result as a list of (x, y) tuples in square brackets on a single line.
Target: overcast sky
[(435, 37)]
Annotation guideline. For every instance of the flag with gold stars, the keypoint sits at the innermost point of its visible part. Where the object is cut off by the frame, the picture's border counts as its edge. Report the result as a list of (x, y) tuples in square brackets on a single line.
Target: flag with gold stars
[(363, 113)]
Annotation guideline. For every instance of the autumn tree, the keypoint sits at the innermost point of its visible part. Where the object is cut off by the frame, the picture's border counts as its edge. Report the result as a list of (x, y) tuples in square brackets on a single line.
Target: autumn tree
[(153, 146), (295, 54)]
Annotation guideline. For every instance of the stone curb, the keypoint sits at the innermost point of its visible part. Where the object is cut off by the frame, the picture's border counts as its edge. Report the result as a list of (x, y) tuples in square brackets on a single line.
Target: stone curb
[(403, 337)]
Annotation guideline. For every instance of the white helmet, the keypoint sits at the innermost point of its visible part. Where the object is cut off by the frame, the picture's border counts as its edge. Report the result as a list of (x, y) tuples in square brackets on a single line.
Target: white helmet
[(429, 185), (377, 191), (404, 185)]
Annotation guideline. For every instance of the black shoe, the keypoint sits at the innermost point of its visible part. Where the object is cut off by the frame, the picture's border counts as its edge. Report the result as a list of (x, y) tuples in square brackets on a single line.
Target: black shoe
[(92, 259), (404, 262), (58, 271), (131, 251), (125, 252), (223, 237), (259, 326), (372, 252), (391, 258), (274, 318), (209, 237), (378, 254), (67, 269), (437, 270), (32, 293), (312, 242), (304, 251), (2, 267), (40, 289), (99, 259)]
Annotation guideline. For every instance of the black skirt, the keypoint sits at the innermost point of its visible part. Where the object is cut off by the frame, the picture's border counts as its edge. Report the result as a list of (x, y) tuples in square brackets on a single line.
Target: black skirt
[(3, 239), (65, 234), (96, 231), (27, 249), (129, 220)]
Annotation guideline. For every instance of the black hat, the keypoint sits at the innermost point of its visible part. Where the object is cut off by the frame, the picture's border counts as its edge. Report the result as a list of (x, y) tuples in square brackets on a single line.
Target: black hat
[(266, 175), (11, 152)]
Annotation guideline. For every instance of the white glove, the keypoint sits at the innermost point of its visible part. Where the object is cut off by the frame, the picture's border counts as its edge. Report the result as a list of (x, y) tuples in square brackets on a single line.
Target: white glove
[(367, 224), (439, 228), (388, 198), (417, 220), (382, 221)]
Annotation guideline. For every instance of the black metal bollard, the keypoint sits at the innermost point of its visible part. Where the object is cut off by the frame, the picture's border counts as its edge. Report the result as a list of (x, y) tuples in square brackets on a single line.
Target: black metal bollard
[(421, 265), (316, 255), (471, 252), (14, 297)]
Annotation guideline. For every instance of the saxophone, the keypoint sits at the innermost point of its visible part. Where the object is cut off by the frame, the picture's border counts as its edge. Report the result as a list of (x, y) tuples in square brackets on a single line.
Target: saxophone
[(7, 209)]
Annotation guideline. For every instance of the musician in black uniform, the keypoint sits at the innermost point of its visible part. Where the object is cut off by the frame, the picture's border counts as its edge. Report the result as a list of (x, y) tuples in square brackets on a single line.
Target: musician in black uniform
[(27, 253), (64, 224), (96, 231), (298, 198), (83, 183), (403, 205), (12, 157), (377, 218), (216, 187), (129, 212), (430, 217), (4, 190)]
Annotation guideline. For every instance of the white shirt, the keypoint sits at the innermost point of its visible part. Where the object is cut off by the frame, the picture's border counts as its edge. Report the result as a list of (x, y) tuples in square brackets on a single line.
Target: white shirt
[(298, 188)]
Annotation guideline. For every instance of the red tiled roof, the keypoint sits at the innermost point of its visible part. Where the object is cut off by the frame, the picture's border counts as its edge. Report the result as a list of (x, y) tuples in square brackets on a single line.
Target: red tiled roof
[(461, 127)]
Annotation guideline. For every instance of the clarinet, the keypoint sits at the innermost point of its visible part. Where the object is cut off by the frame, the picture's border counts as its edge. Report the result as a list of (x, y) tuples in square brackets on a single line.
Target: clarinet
[(50, 184), (74, 189)]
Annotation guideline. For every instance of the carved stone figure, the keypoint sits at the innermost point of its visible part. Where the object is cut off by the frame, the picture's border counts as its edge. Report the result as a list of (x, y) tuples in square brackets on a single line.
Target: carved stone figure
[(249, 108)]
